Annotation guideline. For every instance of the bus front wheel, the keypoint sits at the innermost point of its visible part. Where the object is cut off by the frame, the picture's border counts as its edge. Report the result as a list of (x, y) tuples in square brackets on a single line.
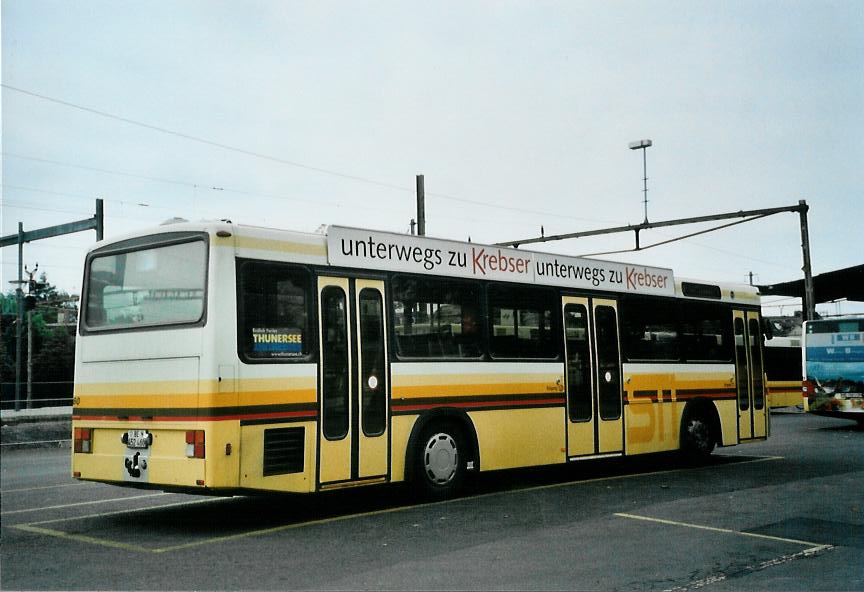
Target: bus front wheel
[(440, 461)]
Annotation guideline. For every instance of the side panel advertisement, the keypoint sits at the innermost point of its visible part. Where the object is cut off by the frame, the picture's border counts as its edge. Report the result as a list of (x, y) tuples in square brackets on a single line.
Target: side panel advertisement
[(351, 247)]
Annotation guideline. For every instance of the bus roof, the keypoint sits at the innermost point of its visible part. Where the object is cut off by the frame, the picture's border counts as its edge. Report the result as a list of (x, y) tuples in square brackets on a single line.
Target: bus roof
[(387, 251)]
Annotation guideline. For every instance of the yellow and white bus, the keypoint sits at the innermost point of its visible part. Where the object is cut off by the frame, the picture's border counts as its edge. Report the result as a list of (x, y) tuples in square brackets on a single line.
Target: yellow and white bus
[(783, 371), (219, 358)]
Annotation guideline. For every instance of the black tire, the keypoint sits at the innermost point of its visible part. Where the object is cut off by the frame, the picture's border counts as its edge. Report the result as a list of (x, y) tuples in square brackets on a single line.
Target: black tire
[(697, 437), (440, 461)]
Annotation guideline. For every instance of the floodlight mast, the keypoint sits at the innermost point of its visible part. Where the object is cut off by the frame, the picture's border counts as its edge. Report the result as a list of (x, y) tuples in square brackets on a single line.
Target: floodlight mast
[(643, 145)]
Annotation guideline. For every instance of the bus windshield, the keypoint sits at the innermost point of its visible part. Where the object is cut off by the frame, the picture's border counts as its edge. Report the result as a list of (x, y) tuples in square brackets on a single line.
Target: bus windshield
[(160, 285)]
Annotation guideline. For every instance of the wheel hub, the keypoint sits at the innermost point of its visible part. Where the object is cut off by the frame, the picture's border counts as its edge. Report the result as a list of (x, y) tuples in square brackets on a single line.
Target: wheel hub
[(441, 458)]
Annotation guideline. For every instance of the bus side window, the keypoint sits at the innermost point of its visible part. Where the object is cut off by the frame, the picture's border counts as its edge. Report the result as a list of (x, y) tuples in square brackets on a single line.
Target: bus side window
[(706, 332), (433, 318), (523, 322), (650, 329), (273, 311)]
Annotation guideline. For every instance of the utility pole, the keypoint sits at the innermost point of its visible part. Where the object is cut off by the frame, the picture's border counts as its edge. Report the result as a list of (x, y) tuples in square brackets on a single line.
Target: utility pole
[(29, 359), (809, 292), (30, 286), (19, 293), (96, 223), (421, 205)]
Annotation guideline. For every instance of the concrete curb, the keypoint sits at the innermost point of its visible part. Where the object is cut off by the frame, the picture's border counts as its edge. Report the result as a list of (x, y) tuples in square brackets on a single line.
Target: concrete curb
[(67, 444), (49, 427), (45, 414)]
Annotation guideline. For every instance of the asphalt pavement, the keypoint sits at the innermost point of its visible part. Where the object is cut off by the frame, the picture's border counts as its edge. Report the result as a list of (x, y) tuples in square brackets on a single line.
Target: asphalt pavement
[(785, 514)]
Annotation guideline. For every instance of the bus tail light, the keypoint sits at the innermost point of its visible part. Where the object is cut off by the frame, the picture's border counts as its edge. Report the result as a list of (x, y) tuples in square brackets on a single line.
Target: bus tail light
[(83, 440), (195, 443), (808, 387)]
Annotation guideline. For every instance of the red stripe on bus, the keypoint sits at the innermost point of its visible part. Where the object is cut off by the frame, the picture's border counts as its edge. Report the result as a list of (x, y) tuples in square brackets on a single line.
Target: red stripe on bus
[(276, 415)]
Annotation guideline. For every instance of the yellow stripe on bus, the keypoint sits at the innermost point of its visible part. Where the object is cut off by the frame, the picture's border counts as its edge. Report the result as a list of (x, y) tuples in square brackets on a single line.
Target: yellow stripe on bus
[(486, 378), (162, 400), (251, 385), (264, 244), (784, 384), (149, 388), (643, 382), (703, 384), (204, 386), (455, 390), (274, 397), (169, 400)]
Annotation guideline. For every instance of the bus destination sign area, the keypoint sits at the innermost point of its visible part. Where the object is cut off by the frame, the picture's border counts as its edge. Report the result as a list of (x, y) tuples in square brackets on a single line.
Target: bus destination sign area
[(353, 247)]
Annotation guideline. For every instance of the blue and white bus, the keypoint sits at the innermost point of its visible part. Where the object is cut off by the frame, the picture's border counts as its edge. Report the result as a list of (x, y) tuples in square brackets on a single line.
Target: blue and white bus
[(834, 367)]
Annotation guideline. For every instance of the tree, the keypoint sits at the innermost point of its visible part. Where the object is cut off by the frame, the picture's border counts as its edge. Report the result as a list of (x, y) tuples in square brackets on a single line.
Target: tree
[(53, 344), (54, 365)]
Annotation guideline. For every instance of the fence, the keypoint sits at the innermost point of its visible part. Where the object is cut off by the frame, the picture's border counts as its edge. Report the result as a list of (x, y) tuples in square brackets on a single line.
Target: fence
[(45, 394)]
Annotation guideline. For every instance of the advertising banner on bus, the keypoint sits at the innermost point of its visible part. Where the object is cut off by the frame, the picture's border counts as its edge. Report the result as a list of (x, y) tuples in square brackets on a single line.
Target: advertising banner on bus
[(352, 247)]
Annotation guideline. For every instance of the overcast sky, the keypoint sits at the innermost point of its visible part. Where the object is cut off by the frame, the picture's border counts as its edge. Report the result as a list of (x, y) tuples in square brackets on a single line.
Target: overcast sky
[(518, 114)]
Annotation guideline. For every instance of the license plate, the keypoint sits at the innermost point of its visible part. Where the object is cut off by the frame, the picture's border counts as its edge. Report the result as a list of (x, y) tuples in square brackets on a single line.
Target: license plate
[(138, 438)]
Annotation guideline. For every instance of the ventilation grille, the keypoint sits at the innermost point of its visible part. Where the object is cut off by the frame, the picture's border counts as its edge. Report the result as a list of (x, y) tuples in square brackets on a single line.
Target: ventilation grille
[(283, 451), (700, 290)]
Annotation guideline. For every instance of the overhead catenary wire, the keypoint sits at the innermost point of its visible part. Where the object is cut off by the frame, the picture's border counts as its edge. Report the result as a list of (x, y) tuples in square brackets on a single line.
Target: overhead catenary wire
[(45, 265), (192, 185), (772, 302), (274, 196), (284, 161), (205, 141), (17, 205), (690, 235), (78, 196), (14, 205), (327, 171)]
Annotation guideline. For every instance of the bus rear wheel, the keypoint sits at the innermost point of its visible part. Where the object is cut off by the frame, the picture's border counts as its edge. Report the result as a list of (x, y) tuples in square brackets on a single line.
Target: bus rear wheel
[(697, 438), (440, 461)]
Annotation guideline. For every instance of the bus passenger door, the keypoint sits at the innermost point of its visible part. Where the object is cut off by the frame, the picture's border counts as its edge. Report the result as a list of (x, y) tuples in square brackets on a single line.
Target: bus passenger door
[(757, 376), (595, 424), (579, 378), (353, 426), (749, 377), (373, 434)]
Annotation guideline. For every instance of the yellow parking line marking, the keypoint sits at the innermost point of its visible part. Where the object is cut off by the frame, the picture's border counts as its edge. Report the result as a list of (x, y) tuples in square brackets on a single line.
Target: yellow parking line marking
[(413, 506), (107, 501), (284, 527), (132, 511), (34, 527), (724, 530), (616, 477), (31, 527), (80, 537)]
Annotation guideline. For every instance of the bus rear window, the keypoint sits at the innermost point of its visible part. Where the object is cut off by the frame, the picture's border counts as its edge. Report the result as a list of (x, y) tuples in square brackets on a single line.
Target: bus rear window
[(162, 285)]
